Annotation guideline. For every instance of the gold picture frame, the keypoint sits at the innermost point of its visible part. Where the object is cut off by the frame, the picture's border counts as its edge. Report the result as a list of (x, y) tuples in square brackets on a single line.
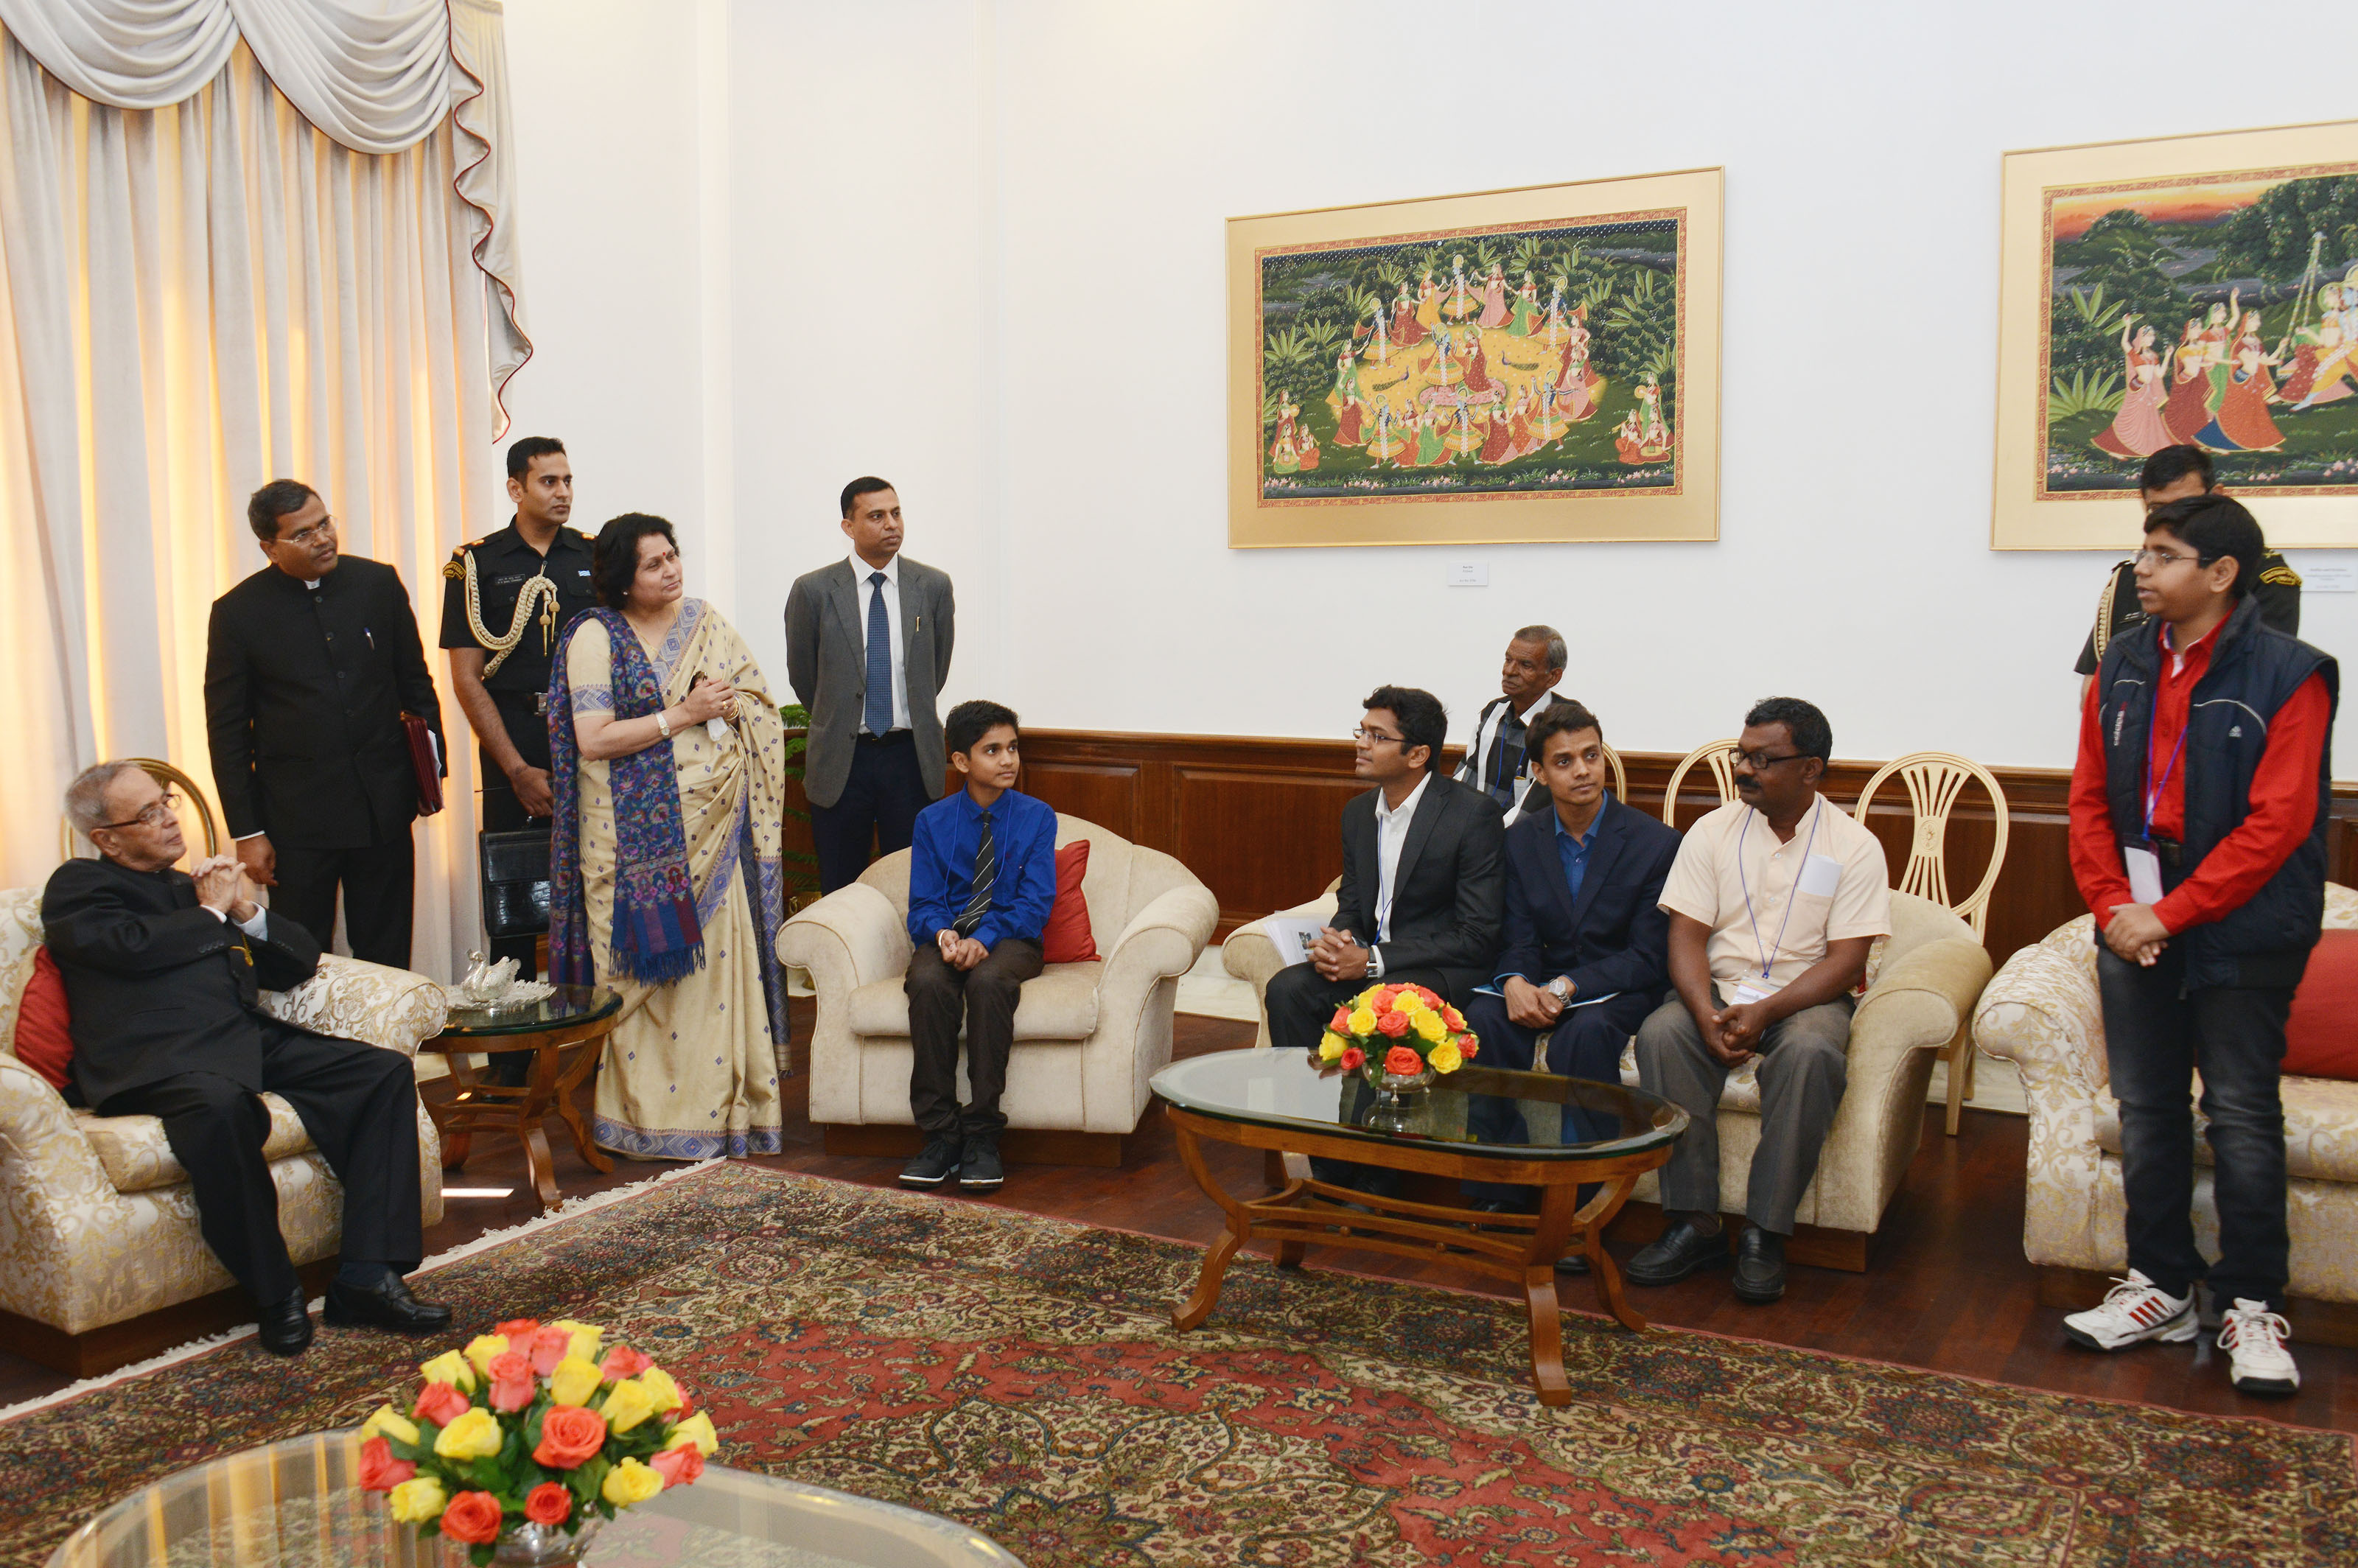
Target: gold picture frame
[(1580, 403), (2156, 292)]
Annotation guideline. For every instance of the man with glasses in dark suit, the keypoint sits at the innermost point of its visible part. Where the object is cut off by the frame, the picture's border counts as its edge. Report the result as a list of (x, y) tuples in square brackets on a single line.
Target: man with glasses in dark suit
[(309, 665)]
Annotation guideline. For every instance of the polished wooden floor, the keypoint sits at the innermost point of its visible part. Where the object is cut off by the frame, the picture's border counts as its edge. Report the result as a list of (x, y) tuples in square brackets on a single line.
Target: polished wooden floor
[(1947, 1288)]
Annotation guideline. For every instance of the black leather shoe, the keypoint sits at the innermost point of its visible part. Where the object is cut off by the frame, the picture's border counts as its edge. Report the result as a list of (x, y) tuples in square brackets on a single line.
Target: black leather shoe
[(1679, 1251), (1759, 1265), (937, 1165), (979, 1168), (387, 1305), (1572, 1263), (284, 1328)]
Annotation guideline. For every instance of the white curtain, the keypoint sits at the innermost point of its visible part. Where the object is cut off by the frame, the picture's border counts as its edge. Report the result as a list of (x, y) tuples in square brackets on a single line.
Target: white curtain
[(239, 240)]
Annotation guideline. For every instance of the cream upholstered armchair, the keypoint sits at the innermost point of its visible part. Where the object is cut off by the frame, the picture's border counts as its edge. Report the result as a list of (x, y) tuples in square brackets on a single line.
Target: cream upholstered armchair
[(2041, 1013), (1088, 1037), (1922, 983), (98, 1227)]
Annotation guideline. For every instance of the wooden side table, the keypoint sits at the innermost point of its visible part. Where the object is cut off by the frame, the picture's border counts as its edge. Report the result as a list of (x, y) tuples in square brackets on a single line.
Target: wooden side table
[(577, 1018)]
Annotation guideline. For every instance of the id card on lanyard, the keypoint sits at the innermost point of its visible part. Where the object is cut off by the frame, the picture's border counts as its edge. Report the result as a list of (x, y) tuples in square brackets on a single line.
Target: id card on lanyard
[(1748, 991), (2139, 858)]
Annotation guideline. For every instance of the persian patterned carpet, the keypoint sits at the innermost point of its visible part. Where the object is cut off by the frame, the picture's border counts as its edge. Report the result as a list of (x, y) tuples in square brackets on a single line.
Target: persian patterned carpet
[(1020, 1375)]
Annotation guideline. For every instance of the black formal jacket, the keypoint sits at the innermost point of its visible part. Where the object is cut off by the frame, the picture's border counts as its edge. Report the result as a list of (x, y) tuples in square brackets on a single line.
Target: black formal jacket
[(1617, 937), (156, 984), (1445, 906), (304, 693)]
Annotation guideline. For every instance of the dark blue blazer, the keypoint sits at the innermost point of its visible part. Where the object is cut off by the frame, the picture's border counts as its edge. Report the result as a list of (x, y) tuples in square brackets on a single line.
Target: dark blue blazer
[(1616, 938)]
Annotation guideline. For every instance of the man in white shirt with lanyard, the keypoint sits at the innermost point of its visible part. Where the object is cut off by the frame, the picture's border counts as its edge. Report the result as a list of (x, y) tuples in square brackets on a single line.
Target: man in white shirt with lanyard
[(1773, 902), (1495, 762)]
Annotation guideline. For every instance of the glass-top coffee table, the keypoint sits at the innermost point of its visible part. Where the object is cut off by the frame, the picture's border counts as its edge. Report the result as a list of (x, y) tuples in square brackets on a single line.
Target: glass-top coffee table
[(298, 1504), (573, 1016), (1477, 1124)]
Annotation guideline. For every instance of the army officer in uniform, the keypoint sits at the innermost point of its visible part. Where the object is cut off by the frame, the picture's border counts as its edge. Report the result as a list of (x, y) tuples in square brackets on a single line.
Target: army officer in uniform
[(506, 600)]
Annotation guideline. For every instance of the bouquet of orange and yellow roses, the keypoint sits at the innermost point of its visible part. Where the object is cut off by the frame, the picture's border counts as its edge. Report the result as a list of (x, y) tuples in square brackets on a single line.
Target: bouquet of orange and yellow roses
[(532, 1425), (1399, 1030)]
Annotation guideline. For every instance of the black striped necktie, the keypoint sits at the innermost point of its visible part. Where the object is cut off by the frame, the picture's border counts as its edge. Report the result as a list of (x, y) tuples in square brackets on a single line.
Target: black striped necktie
[(986, 872)]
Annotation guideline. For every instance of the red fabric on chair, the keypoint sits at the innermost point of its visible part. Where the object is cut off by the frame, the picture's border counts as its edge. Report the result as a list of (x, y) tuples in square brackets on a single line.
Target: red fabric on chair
[(42, 1041), (2321, 1037), (1067, 939)]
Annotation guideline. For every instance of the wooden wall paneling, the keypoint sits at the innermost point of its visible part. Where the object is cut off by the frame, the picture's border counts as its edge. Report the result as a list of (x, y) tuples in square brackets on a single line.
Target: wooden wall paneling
[(1257, 819)]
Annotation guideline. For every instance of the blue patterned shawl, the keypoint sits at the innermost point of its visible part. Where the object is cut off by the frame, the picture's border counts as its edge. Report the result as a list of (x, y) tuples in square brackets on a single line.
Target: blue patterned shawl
[(657, 937)]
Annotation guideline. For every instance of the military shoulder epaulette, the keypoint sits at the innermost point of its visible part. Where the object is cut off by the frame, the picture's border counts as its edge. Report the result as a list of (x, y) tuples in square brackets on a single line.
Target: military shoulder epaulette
[(2281, 575)]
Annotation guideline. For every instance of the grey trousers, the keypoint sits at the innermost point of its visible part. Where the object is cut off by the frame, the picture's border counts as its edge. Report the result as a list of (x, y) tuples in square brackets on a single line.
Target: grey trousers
[(1804, 1066)]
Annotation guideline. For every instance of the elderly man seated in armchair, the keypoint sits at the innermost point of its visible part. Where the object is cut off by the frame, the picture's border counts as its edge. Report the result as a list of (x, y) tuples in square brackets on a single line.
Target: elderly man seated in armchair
[(161, 970)]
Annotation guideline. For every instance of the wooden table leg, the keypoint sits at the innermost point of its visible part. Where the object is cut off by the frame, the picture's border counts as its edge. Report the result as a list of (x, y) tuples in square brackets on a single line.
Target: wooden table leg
[(1547, 1337), (1601, 1266), (456, 1146), (583, 1060), (1198, 1307)]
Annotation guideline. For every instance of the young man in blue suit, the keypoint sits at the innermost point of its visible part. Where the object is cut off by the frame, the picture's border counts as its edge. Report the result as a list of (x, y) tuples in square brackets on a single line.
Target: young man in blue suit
[(1587, 954)]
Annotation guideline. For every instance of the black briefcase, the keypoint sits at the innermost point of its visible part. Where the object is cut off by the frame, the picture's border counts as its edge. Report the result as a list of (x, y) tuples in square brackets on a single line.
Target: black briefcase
[(515, 881)]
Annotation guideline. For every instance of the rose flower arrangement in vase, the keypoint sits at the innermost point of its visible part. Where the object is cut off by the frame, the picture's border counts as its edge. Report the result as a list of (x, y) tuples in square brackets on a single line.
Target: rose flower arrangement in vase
[(1400, 1037), (527, 1441)]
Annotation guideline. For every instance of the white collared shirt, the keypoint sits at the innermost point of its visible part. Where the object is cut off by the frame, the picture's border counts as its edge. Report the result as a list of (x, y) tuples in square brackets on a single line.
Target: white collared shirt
[(1477, 757), (1391, 836), (890, 589)]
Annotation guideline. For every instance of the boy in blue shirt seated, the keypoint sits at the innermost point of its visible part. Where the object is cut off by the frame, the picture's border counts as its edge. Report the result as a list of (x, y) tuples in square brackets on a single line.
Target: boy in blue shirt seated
[(982, 880)]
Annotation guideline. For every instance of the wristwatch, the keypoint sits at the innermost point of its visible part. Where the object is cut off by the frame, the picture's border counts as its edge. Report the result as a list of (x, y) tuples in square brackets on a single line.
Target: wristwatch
[(1560, 989)]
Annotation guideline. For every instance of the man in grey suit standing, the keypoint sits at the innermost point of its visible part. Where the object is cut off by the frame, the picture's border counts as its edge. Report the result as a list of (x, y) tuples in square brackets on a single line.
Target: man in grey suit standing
[(867, 647)]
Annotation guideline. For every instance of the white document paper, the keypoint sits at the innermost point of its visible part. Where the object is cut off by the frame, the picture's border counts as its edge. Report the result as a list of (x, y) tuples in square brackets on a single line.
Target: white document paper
[(1576, 1003), (2145, 875), (1820, 874), (1293, 936)]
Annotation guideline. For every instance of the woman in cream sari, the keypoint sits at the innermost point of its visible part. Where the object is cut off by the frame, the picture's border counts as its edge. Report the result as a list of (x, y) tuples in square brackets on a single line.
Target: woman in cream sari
[(669, 778)]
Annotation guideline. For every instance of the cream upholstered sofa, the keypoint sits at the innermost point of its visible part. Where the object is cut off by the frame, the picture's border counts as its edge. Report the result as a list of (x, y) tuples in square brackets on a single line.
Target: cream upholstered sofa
[(1922, 983), (97, 1222), (2041, 1013), (1088, 1037)]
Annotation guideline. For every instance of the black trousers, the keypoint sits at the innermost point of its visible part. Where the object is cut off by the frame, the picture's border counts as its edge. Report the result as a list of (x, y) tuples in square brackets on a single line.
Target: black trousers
[(359, 1105), (879, 804), (1300, 1000), (2155, 1039), (380, 889), (1586, 1042), (938, 993)]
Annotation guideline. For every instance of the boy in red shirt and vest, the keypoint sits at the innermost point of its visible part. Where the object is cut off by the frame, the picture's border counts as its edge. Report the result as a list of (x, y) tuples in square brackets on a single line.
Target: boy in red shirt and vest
[(2198, 838)]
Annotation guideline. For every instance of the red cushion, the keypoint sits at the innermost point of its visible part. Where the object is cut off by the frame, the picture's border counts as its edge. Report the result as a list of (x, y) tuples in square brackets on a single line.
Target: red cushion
[(1067, 939), (42, 1042), (2322, 1038)]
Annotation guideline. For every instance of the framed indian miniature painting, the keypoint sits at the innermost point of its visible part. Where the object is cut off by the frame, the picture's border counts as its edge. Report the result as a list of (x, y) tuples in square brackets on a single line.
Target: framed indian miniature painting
[(1536, 366), (2199, 289)]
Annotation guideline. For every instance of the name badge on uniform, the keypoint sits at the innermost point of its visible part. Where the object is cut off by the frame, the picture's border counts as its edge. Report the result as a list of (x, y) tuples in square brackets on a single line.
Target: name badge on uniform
[(1747, 992), (2145, 873)]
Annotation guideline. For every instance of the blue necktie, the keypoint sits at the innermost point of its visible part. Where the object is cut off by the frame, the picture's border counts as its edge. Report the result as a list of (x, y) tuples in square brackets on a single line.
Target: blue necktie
[(878, 714)]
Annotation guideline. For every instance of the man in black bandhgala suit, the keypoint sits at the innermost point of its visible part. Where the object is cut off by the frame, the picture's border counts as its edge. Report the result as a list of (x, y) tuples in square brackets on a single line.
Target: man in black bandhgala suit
[(162, 970), (309, 665)]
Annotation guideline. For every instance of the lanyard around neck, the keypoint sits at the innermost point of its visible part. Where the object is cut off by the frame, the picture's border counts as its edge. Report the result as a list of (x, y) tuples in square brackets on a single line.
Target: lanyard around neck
[(1769, 955), (2154, 786)]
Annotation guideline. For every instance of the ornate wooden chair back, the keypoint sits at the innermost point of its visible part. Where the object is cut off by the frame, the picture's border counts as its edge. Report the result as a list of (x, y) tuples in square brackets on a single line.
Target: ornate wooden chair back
[(1721, 757), (1620, 778), (1934, 780)]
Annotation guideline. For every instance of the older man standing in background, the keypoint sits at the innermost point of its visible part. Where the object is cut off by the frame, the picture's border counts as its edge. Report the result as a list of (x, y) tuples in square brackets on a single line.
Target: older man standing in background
[(867, 647), (1496, 762)]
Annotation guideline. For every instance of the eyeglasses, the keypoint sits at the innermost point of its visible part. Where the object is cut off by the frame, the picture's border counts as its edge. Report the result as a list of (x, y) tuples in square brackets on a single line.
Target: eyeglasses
[(1374, 736), (311, 536), (158, 812), (2157, 560), (1760, 762)]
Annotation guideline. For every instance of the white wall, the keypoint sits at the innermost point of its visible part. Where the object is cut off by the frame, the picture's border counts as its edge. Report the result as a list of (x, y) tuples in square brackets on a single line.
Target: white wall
[(978, 248)]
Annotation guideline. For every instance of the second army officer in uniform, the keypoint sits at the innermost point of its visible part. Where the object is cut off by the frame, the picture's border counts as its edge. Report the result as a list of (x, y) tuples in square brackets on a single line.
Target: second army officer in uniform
[(506, 600)]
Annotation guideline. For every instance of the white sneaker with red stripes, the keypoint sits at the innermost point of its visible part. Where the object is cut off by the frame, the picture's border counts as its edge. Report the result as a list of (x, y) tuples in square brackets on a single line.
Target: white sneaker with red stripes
[(2257, 1362), (2134, 1310)]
